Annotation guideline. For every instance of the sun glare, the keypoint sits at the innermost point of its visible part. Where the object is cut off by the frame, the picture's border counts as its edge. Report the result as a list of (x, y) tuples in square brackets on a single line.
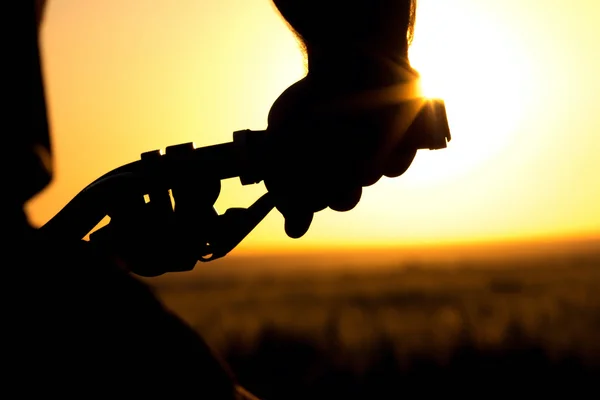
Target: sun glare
[(465, 58)]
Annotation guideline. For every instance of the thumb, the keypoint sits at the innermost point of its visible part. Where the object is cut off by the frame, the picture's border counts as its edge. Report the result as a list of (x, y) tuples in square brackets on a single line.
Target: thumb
[(297, 224)]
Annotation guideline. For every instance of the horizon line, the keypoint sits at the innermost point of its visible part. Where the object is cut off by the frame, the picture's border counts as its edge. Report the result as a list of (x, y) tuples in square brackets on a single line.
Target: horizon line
[(539, 240)]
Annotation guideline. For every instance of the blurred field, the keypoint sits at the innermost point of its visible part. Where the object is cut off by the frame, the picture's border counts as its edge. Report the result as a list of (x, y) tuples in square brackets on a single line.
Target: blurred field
[(378, 332)]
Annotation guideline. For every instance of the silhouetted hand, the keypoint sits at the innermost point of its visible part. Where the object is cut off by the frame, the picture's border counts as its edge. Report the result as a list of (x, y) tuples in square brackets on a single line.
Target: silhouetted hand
[(324, 149), (152, 238)]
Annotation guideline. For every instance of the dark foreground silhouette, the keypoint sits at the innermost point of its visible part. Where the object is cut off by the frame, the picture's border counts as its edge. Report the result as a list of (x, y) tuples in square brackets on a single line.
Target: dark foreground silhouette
[(517, 366), (524, 325)]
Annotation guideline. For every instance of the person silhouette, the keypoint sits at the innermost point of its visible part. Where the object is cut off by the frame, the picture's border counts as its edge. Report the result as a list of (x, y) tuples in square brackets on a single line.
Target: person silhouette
[(88, 325)]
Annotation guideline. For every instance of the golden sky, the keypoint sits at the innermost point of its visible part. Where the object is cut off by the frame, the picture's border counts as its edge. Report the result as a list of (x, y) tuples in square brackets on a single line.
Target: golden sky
[(520, 80)]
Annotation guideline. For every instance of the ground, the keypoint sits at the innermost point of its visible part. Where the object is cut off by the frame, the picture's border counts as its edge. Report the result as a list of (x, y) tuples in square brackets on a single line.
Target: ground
[(374, 332)]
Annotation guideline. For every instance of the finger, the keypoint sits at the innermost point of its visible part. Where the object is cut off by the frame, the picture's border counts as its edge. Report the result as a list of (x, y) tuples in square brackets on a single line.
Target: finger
[(297, 224), (369, 169), (370, 178), (318, 203), (297, 213), (399, 161), (346, 200)]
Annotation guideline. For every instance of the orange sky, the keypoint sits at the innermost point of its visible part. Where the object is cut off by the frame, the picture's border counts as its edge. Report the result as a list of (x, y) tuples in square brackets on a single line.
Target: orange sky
[(519, 78)]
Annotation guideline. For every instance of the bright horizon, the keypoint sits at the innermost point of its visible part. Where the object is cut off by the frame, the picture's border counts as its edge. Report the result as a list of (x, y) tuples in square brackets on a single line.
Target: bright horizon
[(519, 79)]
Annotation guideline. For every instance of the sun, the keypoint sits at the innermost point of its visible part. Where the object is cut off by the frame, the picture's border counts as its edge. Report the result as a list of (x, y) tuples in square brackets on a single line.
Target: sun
[(475, 64)]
